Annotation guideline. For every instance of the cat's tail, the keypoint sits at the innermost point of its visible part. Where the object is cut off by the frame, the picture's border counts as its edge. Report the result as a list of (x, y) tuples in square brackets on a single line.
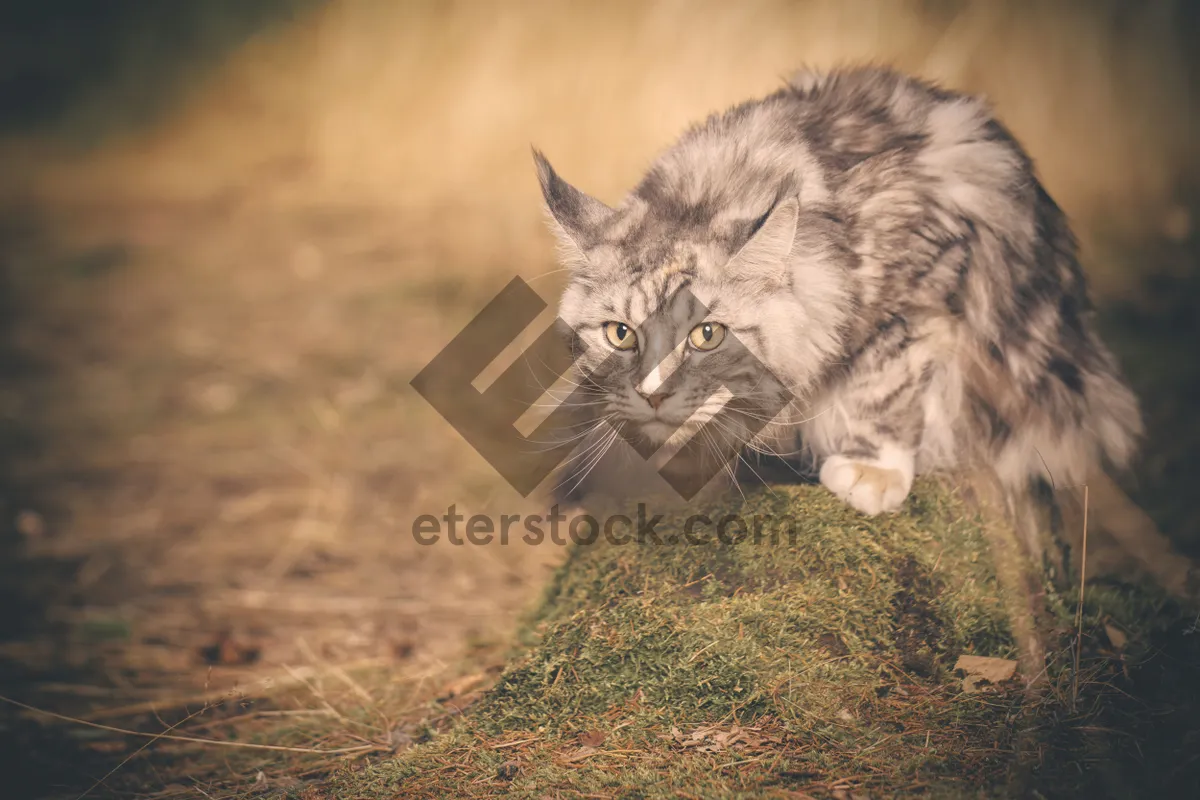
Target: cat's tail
[(1121, 536)]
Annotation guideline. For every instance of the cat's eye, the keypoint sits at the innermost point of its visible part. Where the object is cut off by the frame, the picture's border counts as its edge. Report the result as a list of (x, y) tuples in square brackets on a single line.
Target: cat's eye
[(620, 335), (707, 335)]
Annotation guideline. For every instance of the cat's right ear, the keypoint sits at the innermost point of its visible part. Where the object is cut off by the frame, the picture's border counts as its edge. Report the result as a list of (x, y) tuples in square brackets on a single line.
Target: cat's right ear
[(577, 217)]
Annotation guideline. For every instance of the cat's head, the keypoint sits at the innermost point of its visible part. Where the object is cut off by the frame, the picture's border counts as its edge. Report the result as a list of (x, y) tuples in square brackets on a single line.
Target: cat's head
[(678, 309)]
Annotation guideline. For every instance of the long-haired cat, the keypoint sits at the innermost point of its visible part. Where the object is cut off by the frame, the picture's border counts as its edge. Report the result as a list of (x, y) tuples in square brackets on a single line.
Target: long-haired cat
[(886, 252)]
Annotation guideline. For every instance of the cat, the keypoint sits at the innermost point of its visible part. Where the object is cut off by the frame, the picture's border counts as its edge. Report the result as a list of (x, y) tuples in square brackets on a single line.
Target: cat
[(885, 250)]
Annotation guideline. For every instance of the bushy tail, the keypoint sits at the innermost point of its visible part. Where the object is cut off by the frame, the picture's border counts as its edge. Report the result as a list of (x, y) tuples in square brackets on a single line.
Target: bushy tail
[(1121, 535)]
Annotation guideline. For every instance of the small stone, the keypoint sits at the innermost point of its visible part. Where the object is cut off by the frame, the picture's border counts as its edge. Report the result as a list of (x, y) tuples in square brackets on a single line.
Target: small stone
[(30, 524)]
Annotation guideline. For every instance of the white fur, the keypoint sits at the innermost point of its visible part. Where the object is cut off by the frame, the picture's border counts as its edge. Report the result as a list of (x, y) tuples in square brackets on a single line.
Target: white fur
[(872, 486)]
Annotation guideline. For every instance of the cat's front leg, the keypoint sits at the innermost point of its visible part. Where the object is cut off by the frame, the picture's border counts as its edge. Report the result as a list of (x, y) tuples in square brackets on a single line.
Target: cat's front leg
[(870, 481), (873, 424)]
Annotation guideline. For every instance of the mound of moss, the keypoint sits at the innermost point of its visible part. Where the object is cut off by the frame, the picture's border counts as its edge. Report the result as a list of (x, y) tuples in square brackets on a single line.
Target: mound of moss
[(806, 651)]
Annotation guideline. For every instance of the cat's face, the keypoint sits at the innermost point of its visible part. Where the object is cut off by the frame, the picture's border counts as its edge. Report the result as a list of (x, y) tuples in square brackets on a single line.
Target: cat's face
[(666, 351), (688, 309)]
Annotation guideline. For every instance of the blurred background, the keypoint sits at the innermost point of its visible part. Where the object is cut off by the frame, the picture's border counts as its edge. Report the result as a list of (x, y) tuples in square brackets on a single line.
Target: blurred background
[(231, 232)]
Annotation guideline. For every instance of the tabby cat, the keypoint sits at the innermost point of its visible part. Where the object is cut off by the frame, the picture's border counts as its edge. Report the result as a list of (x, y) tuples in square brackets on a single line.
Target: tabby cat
[(885, 251)]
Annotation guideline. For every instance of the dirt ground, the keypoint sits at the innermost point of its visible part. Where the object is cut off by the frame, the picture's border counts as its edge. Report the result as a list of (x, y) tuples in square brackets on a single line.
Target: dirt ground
[(210, 456), (212, 482)]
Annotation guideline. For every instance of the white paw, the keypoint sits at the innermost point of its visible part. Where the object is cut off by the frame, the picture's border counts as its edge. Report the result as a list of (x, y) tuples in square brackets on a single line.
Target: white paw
[(870, 486)]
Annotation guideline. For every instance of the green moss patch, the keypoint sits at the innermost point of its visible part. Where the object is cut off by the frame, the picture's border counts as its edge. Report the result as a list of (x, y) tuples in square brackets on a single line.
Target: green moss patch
[(809, 651)]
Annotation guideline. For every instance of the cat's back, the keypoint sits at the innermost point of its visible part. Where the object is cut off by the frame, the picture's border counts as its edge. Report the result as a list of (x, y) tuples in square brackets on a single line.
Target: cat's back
[(847, 135), (875, 129)]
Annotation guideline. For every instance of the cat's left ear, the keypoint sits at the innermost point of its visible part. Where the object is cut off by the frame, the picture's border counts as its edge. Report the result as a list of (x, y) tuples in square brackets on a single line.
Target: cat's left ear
[(765, 257), (578, 217)]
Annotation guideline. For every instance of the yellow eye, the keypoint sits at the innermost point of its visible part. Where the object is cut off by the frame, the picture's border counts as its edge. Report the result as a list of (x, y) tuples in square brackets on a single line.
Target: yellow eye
[(620, 335), (707, 336)]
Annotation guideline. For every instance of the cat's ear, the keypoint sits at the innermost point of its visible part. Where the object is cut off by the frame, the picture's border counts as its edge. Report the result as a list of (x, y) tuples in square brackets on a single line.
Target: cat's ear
[(577, 216), (765, 256)]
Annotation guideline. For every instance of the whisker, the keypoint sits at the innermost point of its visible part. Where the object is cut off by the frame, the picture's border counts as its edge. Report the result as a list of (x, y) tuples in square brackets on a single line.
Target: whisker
[(607, 443), (584, 452), (552, 443), (728, 467), (763, 449)]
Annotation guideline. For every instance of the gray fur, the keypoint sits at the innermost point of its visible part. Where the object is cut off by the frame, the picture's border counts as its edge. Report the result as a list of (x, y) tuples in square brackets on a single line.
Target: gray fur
[(886, 249)]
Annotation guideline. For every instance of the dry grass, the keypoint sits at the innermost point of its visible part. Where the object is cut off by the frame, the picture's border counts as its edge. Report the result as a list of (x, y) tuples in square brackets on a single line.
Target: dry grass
[(429, 109), (799, 667), (207, 440)]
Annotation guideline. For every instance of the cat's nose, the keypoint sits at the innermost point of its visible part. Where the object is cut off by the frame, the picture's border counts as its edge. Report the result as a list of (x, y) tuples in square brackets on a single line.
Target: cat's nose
[(655, 400)]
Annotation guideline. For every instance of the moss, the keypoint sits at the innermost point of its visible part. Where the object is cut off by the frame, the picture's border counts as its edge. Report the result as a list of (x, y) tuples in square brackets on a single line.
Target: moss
[(828, 640)]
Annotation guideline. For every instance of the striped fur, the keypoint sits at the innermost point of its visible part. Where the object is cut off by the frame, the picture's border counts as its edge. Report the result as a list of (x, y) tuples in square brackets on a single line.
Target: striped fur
[(886, 249)]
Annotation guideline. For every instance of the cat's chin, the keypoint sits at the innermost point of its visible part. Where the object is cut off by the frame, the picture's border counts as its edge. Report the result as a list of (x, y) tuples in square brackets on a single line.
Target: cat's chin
[(657, 431), (662, 433)]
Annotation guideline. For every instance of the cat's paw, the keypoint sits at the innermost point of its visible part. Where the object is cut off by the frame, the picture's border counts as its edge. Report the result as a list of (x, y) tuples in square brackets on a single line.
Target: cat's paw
[(871, 486)]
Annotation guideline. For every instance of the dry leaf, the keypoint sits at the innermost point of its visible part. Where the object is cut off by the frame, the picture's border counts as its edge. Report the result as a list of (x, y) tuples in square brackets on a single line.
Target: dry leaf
[(1116, 636), (580, 754), (711, 739), (592, 738), (982, 671)]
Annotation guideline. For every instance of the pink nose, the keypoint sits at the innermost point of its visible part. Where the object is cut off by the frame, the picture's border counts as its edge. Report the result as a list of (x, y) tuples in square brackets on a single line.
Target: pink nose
[(655, 400)]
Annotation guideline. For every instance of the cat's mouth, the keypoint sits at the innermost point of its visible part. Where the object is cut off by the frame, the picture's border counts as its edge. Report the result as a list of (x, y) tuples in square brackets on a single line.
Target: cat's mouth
[(658, 424), (674, 425), (661, 431)]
